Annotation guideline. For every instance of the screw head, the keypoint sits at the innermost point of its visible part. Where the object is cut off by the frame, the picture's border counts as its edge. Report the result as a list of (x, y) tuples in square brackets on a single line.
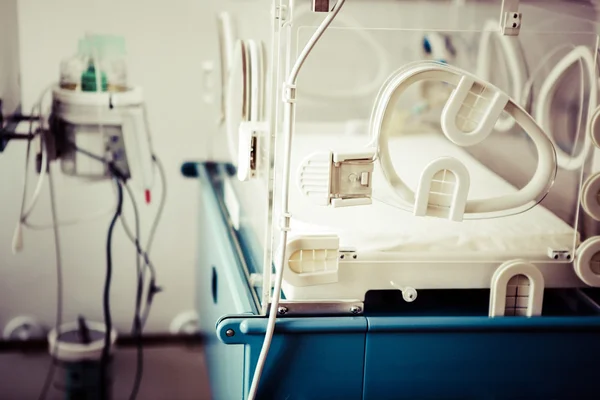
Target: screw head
[(355, 309), (230, 332), (282, 310)]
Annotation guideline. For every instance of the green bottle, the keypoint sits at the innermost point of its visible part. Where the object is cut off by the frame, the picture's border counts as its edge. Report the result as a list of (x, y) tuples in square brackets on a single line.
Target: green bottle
[(88, 80)]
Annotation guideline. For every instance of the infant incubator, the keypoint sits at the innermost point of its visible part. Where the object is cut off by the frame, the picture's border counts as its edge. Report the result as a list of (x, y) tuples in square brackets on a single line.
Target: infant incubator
[(404, 166)]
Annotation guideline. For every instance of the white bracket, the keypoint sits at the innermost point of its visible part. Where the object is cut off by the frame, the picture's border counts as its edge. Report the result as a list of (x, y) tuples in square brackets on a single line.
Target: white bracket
[(337, 179), (510, 18), (289, 93), (248, 149), (280, 13), (559, 254)]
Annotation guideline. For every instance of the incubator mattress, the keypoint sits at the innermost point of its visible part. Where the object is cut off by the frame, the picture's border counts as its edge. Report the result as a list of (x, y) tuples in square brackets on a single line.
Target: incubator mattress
[(382, 226)]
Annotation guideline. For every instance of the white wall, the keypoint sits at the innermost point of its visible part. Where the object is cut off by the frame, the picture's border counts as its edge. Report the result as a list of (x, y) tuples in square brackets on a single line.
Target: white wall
[(9, 56), (167, 42)]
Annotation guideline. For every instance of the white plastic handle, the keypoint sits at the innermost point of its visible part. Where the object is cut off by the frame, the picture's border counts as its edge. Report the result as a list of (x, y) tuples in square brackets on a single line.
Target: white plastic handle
[(382, 121), (485, 125)]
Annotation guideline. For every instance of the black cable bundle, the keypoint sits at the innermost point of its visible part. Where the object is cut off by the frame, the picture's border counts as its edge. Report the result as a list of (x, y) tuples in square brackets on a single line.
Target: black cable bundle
[(140, 316), (106, 296)]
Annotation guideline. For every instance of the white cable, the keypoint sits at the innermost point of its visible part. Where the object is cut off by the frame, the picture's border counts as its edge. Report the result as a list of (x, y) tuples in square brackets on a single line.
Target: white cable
[(289, 131), (366, 90), (17, 242), (40, 183), (38, 187), (25, 211), (69, 222), (161, 207)]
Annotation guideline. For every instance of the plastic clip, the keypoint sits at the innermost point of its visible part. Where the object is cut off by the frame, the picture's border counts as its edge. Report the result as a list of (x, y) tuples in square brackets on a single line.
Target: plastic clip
[(289, 93), (284, 223)]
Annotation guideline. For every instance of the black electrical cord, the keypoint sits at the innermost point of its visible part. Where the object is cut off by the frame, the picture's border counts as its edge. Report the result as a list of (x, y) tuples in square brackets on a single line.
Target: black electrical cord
[(139, 319), (106, 295), (137, 322)]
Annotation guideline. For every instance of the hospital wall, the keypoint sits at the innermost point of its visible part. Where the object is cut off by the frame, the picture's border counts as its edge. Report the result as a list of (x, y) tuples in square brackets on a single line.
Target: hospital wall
[(167, 43), (9, 57)]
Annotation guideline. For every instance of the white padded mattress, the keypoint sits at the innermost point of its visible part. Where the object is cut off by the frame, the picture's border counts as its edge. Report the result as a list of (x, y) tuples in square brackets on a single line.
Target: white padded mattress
[(384, 227)]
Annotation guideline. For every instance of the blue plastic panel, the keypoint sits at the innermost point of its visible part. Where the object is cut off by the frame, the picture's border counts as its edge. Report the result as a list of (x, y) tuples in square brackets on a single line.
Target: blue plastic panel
[(482, 358), (310, 358), (221, 289)]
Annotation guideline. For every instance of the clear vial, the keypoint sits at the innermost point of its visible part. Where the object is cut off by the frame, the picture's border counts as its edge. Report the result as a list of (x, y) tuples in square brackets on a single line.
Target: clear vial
[(72, 68), (114, 63)]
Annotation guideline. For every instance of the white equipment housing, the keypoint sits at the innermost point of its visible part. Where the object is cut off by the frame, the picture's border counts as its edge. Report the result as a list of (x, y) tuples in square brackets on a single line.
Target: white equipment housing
[(111, 125)]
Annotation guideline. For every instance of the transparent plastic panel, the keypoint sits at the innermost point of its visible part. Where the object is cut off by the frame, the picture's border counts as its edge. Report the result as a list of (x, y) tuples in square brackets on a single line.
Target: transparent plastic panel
[(485, 144), (247, 60)]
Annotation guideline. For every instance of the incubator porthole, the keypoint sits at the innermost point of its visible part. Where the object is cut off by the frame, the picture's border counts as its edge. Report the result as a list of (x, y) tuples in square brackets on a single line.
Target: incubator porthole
[(595, 128), (587, 263), (590, 196), (595, 264)]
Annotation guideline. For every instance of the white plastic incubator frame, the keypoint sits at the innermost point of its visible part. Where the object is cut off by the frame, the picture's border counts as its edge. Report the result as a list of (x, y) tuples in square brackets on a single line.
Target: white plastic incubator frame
[(345, 179)]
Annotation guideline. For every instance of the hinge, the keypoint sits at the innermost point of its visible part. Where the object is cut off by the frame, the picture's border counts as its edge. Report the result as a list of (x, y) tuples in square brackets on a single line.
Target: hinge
[(248, 149), (510, 18), (338, 179), (281, 13)]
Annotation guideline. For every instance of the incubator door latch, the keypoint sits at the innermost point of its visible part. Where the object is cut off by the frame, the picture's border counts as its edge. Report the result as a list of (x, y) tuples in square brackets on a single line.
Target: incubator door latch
[(338, 179), (248, 149)]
